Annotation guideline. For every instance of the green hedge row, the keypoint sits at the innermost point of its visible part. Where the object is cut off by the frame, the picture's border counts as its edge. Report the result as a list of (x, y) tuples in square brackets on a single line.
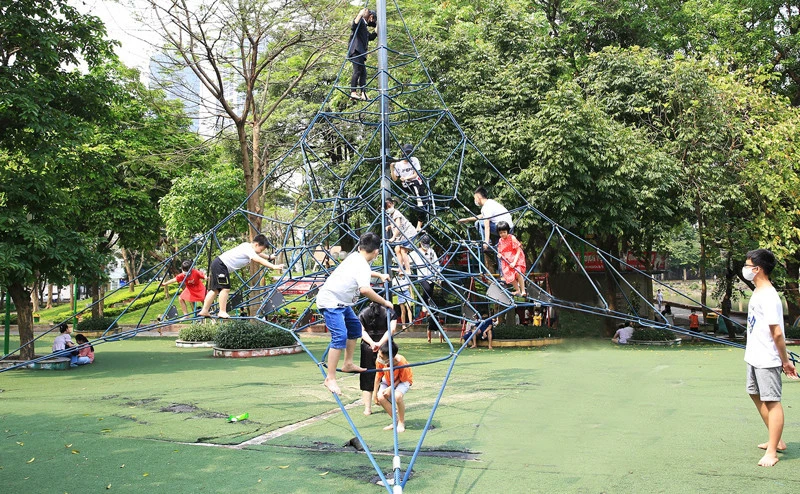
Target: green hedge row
[(518, 332), (651, 334), (793, 332), (198, 332), (92, 324), (234, 335)]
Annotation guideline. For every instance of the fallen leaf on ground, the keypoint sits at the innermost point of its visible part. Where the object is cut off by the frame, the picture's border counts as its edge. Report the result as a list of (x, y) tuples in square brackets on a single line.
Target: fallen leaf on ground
[(31, 460), (75, 451), (283, 467), (21, 444), (324, 474)]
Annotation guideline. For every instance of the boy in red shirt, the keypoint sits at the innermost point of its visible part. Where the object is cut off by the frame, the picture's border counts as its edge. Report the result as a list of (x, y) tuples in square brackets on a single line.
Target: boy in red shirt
[(694, 322), (382, 392)]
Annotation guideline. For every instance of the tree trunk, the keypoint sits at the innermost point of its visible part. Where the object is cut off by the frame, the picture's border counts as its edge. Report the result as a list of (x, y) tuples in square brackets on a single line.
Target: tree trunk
[(49, 296), (22, 299), (97, 303), (702, 267), (128, 260), (791, 293)]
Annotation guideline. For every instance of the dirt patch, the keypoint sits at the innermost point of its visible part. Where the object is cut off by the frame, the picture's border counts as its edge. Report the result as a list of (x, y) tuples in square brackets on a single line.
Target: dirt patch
[(180, 408), (138, 403), (109, 397), (132, 419)]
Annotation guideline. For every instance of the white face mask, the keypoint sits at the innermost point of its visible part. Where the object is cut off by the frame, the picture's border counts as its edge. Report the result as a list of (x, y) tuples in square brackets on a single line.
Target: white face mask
[(390, 210), (748, 273)]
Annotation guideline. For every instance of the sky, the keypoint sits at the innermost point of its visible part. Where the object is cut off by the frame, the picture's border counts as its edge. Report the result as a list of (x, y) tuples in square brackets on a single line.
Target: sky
[(135, 40)]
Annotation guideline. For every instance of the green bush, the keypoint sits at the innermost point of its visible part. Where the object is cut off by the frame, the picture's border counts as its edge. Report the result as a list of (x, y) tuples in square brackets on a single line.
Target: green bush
[(793, 332), (233, 335), (651, 334), (518, 332), (92, 324), (198, 332)]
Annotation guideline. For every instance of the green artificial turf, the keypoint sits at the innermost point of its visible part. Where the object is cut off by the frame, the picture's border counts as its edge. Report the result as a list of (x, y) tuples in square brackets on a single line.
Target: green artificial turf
[(581, 417)]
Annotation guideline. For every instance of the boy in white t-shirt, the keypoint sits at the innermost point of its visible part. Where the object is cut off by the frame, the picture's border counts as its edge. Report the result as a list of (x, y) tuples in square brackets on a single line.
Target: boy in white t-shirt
[(765, 352), (348, 282), (492, 213), (219, 277)]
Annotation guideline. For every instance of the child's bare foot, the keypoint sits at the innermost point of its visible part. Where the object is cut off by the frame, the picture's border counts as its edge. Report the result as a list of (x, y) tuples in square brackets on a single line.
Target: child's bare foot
[(768, 461), (203, 314), (352, 368), (490, 348), (223, 315), (367, 412), (401, 427), (332, 386), (781, 446), (388, 427)]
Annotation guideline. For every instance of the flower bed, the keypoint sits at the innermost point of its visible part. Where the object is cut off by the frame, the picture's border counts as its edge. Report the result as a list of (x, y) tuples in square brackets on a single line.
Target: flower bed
[(197, 335), (244, 339)]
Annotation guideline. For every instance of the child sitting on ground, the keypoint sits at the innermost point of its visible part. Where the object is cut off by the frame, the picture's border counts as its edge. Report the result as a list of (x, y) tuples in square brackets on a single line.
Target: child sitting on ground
[(403, 379), (512, 258), (482, 328), (348, 282), (85, 354)]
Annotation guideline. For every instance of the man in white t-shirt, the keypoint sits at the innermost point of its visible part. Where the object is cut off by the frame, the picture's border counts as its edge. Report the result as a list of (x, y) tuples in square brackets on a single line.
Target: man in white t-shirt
[(623, 334), (348, 282), (492, 213), (765, 352), (219, 282)]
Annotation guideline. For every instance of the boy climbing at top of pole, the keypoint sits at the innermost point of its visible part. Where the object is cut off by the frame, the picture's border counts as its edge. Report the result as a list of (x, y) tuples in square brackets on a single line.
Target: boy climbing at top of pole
[(348, 282)]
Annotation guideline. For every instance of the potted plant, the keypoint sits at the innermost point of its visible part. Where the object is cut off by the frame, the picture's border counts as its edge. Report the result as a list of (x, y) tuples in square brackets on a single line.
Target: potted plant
[(242, 339)]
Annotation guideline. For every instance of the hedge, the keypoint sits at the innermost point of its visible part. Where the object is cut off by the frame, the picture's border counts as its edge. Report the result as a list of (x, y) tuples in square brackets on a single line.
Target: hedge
[(793, 332), (519, 332), (237, 334), (652, 334), (198, 332), (91, 324)]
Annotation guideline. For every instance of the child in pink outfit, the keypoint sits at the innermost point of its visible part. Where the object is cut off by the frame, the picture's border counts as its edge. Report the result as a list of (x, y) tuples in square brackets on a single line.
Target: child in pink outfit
[(512, 258)]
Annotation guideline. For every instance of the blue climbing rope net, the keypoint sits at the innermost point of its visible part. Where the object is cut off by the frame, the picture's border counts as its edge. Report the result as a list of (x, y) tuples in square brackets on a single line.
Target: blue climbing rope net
[(339, 171)]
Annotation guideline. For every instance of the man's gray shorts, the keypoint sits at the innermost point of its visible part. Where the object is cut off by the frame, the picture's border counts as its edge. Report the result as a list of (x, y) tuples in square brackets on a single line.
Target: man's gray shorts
[(764, 382)]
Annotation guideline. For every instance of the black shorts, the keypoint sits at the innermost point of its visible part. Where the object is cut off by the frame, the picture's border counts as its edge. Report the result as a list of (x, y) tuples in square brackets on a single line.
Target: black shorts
[(218, 278)]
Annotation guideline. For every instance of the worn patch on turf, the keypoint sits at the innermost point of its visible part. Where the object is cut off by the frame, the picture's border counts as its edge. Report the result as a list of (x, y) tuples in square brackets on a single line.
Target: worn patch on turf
[(180, 408)]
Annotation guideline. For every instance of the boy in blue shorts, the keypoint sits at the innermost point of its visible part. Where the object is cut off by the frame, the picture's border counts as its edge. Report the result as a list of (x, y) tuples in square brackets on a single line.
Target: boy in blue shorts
[(348, 282)]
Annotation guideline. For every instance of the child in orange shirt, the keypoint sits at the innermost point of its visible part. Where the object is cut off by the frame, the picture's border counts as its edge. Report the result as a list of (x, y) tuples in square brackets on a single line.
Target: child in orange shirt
[(694, 322), (382, 392)]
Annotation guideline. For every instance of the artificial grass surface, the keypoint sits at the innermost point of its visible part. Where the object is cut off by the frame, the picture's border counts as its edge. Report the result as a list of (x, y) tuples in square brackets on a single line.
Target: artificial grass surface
[(582, 417)]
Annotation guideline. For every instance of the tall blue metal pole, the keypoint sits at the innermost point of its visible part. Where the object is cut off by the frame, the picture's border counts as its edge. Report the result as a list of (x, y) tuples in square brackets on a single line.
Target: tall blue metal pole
[(383, 98)]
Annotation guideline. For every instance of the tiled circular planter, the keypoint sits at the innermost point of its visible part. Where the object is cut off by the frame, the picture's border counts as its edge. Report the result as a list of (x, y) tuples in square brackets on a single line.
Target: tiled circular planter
[(535, 342), (676, 341), (194, 344), (257, 352), (55, 363), (793, 341)]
